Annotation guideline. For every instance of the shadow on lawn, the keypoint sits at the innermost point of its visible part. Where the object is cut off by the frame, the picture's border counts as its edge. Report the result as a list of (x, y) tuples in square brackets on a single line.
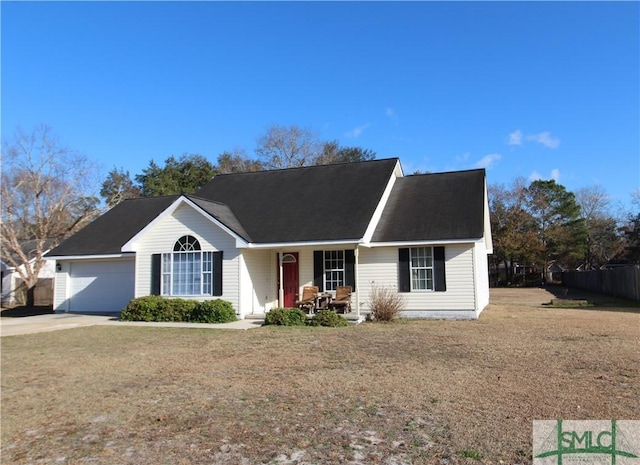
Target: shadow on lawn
[(601, 302), (19, 312)]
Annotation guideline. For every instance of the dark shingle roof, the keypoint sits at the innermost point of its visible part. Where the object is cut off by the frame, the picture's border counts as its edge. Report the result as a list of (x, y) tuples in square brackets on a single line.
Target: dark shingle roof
[(316, 203), (442, 206), (319, 203), (223, 214), (109, 232), (29, 249)]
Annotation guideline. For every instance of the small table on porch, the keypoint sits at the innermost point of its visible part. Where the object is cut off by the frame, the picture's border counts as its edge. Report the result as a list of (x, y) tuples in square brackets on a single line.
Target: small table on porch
[(323, 300)]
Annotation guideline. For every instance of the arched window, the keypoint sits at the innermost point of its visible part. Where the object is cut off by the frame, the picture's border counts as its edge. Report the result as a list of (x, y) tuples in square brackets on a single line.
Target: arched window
[(288, 258), (186, 244), (187, 271)]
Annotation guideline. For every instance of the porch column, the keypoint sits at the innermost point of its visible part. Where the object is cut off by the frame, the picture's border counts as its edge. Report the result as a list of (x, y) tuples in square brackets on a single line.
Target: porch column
[(280, 288), (356, 265)]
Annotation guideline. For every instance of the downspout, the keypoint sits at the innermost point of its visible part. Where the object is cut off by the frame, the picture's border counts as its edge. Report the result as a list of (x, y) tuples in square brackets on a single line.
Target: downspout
[(280, 288), (357, 264)]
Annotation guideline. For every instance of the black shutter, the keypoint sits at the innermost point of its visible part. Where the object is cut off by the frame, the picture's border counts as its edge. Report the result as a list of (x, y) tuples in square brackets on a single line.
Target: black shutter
[(350, 268), (438, 269), (318, 269), (217, 273), (404, 284), (156, 268)]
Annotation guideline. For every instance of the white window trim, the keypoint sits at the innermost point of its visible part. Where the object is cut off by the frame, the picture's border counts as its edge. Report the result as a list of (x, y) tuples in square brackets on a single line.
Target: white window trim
[(432, 268), (170, 292), (187, 246), (325, 270)]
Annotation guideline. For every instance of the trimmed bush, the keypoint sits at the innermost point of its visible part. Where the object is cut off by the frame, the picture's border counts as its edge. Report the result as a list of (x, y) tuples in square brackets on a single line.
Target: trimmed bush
[(328, 318), (157, 308), (214, 311), (385, 303), (142, 309), (285, 317)]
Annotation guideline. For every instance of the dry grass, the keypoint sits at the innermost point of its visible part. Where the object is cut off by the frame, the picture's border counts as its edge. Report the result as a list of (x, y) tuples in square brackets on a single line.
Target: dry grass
[(408, 392)]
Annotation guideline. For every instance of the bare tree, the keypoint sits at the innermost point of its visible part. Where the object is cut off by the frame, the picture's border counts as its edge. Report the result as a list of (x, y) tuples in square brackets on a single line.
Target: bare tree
[(288, 147), (45, 198), (603, 240), (236, 161)]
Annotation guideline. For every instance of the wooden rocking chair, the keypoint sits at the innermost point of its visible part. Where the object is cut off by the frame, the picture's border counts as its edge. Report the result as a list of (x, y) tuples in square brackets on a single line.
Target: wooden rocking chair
[(343, 299), (309, 298)]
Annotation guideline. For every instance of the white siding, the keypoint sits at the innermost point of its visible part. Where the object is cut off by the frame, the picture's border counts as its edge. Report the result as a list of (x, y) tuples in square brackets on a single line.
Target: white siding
[(482, 276), (162, 237), (60, 288), (258, 283), (379, 266)]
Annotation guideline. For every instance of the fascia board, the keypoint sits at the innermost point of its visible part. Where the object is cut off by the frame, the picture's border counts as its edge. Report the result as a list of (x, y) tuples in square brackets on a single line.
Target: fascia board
[(90, 257), (382, 203), (419, 243), (282, 245), (488, 238)]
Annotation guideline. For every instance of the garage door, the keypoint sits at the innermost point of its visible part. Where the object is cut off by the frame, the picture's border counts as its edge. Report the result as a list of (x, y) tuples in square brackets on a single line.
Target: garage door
[(101, 286)]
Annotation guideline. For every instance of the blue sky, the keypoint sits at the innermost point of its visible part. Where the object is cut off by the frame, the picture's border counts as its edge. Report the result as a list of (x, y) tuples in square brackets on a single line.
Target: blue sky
[(532, 89)]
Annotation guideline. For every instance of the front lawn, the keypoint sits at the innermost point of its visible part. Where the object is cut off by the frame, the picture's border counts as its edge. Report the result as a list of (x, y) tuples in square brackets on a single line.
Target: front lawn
[(407, 392)]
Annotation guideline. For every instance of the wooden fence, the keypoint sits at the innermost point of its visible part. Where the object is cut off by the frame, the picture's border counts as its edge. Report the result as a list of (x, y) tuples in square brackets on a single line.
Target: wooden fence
[(620, 282), (42, 294)]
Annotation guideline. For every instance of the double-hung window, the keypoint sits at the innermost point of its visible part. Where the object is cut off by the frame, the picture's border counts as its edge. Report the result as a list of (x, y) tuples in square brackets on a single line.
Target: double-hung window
[(333, 269), (187, 271), (421, 267)]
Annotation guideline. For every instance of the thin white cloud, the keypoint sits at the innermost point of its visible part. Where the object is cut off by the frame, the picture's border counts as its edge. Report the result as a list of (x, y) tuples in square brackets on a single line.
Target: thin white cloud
[(463, 158), (545, 139), (390, 112), (555, 175), (515, 138), (357, 131), (488, 161)]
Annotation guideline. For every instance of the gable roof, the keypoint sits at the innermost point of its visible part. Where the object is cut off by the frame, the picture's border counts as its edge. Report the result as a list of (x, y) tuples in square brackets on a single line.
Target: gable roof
[(431, 207), (328, 203), (222, 213), (108, 233), (315, 203)]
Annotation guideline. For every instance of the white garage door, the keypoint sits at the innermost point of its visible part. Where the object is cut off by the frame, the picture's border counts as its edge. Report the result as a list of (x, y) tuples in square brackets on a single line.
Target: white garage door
[(101, 286)]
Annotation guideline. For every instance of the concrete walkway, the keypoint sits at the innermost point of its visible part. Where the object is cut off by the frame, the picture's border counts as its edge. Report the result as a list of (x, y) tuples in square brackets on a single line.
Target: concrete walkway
[(52, 322)]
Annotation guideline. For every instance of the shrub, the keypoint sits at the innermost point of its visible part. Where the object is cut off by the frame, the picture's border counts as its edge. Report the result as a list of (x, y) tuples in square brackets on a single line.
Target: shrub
[(385, 303), (141, 309), (328, 318), (157, 308), (214, 311), (285, 317)]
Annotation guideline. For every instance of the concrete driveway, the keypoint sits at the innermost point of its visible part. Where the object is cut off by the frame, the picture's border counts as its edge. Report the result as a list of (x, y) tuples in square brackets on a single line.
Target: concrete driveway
[(53, 322)]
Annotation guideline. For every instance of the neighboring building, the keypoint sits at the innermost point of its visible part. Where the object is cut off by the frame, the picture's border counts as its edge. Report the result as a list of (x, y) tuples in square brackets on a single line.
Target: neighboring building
[(12, 288), (255, 239)]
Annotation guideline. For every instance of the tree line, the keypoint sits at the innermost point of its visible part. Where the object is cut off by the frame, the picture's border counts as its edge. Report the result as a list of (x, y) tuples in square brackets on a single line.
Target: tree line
[(540, 224), (47, 195), (280, 147)]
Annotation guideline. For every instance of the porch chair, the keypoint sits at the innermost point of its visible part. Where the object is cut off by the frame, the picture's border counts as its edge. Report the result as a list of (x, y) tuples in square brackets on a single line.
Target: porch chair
[(343, 299), (308, 300)]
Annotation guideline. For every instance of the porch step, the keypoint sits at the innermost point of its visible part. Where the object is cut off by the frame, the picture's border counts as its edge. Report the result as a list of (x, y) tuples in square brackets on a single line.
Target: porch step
[(255, 316)]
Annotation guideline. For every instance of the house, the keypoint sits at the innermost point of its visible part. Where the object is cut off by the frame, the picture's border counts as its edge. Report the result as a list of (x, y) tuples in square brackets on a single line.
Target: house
[(255, 239), (12, 288)]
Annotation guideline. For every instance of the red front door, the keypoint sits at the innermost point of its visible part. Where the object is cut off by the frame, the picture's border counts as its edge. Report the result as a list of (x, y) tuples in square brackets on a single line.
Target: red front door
[(290, 278)]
